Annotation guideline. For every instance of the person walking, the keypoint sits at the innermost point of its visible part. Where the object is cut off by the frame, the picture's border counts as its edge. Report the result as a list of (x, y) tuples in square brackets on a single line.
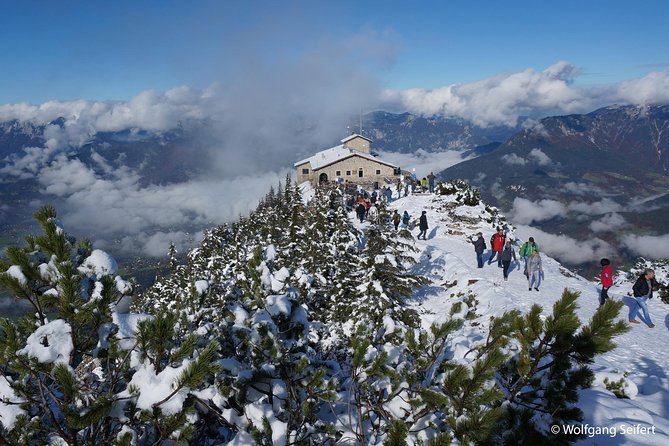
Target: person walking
[(430, 182), (373, 214), (361, 210), (643, 290), (389, 194), (406, 219), (526, 251), (607, 280), (396, 219), (479, 248), (497, 242), (423, 226), (534, 271), (507, 254)]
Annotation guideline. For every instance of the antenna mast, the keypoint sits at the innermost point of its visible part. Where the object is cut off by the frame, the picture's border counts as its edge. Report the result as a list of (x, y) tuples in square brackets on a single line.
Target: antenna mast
[(360, 121)]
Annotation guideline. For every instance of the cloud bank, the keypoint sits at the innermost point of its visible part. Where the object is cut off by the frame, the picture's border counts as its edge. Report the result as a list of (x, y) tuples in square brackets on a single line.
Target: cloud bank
[(565, 248), (503, 99), (648, 246)]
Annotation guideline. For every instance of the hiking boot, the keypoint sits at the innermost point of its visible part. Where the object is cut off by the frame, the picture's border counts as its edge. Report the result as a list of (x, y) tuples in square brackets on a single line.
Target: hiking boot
[(634, 321), (529, 289), (651, 325), (536, 288)]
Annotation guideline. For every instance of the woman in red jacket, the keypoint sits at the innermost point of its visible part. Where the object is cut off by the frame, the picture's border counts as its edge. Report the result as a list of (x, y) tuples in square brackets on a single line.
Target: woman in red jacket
[(607, 280)]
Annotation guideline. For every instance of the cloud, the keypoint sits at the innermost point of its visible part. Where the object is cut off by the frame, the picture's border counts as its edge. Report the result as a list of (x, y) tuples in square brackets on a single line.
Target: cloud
[(526, 212), (653, 88), (603, 206), (514, 160), (539, 157), (504, 98), (581, 188), (266, 113), (131, 217), (608, 223), (424, 162), (648, 246), (565, 248)]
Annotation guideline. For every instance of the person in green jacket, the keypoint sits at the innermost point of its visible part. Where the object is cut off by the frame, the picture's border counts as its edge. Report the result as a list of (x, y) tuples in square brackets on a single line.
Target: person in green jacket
[(528, 248)]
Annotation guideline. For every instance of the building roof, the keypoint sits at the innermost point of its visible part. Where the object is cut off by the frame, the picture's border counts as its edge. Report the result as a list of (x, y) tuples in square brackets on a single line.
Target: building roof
[(353, 136), (335, 154)]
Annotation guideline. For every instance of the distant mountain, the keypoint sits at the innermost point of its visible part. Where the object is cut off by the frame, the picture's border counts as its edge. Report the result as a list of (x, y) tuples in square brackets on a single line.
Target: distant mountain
[(618, 154), (638, 134), (407, 133)]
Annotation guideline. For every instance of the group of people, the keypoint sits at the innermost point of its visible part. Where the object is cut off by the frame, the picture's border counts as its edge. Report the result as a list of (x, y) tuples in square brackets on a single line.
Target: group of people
[(405, 220), (503, 249), (642, 291), (413, 184)]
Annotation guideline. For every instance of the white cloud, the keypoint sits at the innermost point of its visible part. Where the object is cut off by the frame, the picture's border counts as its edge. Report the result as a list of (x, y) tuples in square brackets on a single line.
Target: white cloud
[(648, 246), (609, 222), (603, 206), (514, 160), (502, 99), (565, 248), (539, 157), (653, 88), (526, 212), (424, 162), (581, 188)]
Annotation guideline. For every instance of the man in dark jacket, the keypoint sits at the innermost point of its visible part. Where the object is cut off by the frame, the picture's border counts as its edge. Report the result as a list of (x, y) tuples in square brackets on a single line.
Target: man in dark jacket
[(423, 226), (430, 181), (361, 211), (643, 290), (479, 248), (508, 253)]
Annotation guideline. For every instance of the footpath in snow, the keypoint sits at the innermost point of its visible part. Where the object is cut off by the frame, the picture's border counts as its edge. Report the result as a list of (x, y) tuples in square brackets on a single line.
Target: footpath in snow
[(642, 354)]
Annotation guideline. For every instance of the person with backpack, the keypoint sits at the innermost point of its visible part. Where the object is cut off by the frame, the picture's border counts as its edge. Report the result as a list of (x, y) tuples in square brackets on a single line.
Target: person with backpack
[(526, 251), (534, 271), (423, 226), (396, 219), (607, 280), (479, 248), (373, 214), (361, 210), (507, 254), (643, 290), (497, 242), (406, 219)]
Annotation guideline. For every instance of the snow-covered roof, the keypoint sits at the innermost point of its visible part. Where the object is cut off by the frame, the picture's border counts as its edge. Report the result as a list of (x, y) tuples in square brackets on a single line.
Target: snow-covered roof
[(337, 153), (353, 136)]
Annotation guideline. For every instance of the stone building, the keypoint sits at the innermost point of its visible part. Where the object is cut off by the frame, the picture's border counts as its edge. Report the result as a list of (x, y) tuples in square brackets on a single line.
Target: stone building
[(351, 161)]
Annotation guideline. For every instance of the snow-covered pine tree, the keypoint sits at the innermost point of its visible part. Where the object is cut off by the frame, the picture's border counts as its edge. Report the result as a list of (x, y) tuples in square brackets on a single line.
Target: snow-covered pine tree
[(541, 382), (72, 369)]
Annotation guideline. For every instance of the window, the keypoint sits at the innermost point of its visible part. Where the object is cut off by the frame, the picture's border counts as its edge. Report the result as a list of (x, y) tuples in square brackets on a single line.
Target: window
[(348, 173), (360, 173), (338, 173), (305, 171), (378, 171)]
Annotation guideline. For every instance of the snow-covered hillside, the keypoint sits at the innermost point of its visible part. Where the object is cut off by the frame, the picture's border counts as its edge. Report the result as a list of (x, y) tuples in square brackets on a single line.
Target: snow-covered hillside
[(641, 357)]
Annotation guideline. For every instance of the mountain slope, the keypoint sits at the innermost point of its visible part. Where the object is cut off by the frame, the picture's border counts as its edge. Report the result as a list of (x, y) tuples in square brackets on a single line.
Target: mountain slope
[(446, 257)]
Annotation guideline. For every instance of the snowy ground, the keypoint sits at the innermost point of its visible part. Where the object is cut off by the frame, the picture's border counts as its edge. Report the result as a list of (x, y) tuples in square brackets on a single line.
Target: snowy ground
[(642, 353)]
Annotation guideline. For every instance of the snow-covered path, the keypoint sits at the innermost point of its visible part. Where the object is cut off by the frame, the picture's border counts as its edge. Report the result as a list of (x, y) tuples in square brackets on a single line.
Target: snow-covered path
[(642, 353)]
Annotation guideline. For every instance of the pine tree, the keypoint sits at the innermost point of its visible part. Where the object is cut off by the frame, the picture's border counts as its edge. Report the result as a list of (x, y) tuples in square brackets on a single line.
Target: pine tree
[(542, 381)]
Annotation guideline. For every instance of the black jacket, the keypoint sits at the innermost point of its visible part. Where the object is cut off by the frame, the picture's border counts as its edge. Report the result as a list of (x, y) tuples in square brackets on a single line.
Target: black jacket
[(640, 287), (479, 245), (507, 253), (423, 223)]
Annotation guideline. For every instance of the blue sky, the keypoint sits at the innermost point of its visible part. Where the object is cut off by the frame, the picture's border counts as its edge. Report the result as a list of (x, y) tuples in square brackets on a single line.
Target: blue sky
[(114, 50)]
